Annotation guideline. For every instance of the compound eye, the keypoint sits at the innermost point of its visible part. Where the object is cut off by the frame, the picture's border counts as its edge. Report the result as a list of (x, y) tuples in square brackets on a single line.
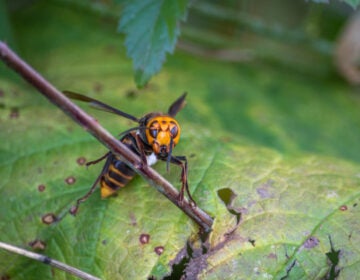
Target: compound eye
[(153, 132), (174, 131)]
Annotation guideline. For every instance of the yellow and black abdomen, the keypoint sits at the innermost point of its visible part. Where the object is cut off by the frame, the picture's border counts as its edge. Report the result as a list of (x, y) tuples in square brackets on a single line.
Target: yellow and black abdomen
[(116, 173)]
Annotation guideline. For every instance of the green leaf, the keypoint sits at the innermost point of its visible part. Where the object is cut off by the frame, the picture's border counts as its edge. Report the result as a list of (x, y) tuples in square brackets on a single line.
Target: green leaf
[(289, 210), (273, 157), (151, 29)]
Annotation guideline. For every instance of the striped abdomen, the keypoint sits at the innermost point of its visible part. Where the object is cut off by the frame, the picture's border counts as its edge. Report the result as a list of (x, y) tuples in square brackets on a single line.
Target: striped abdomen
[(116, 173)]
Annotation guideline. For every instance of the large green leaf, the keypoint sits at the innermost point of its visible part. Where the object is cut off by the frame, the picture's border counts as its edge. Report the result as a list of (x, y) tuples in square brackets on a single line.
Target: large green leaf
[(259, 150)]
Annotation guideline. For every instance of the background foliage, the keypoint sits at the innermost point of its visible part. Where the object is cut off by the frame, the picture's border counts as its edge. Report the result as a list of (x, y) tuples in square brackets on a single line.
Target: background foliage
[(269, 130)]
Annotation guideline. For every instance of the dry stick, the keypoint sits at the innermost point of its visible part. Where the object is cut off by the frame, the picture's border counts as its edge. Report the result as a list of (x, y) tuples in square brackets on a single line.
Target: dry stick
[(92, 126), (47, 260)]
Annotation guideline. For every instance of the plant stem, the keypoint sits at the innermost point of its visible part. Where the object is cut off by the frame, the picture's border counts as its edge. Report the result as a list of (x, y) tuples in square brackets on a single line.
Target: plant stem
[(47, 260), (93, 127)]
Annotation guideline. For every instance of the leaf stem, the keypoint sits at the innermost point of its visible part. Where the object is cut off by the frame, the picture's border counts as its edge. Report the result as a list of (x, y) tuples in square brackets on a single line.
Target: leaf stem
[(93, 127), (47, 260)]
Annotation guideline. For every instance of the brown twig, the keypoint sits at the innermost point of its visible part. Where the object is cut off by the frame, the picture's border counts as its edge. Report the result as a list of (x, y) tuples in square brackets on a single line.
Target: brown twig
[(93, 127)]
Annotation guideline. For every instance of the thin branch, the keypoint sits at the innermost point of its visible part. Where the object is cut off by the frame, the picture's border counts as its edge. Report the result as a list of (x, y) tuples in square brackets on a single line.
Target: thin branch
[(46, 260), (93, 127)]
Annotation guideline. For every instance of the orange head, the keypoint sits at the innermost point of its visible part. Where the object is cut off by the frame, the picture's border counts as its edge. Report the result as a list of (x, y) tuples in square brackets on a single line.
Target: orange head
[(162, 134)]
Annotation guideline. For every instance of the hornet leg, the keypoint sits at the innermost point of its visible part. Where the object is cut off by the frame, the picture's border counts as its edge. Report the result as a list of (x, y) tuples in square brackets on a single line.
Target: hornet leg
[(75, 207), (182, 162)]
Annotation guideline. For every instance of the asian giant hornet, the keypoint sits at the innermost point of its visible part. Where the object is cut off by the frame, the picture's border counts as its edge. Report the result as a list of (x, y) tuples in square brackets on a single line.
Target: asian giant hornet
[(153, 139)]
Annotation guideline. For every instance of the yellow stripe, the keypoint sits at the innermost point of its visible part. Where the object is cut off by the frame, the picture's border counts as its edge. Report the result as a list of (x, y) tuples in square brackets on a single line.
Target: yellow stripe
[(119, 184), (117, 171)]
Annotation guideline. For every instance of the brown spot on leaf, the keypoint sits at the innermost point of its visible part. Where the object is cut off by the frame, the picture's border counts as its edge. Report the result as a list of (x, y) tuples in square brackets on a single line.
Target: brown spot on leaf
[(70, 180), (37, 244), (272, 256), (81, 160), (5, 277), (131, 93), (73, 210), (264, 191), (2, 92), (159, 250), (49, 218), (311, 242), (14, 113), (343, 208), (41, 188), (98, 87), (144, 238)]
